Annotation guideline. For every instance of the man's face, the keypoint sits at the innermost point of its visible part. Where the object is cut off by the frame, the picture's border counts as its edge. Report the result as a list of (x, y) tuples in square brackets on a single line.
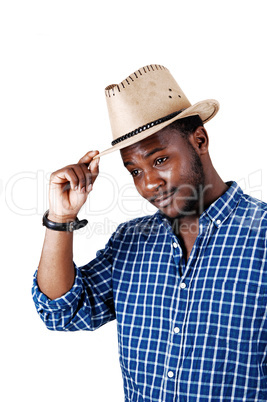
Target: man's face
[(167, 171)]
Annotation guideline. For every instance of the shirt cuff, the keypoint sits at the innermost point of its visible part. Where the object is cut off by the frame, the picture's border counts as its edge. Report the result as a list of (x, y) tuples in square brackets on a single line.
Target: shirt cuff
[(69, 299)]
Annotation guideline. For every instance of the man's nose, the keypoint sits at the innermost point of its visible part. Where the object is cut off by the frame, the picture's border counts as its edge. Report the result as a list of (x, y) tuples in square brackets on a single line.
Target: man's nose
[(153, 181)]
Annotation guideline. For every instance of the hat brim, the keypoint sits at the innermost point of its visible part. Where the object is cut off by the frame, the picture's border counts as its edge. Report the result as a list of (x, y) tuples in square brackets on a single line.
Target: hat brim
[(206, 110)]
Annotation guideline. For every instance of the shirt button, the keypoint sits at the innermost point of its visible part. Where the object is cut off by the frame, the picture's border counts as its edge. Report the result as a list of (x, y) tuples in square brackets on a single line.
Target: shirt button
[(170, 374), (183, 285), (176, 330), (175, 245), (218, 221)]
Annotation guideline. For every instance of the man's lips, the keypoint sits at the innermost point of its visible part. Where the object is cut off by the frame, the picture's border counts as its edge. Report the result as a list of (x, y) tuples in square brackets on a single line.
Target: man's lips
[(162, 200)]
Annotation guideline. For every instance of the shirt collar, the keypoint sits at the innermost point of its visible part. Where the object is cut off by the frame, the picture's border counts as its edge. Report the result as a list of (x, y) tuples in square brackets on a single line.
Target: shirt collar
[(220, 209)]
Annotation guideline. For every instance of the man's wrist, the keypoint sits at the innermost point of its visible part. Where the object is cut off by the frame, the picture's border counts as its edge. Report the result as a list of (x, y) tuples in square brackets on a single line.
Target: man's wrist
[(62, 224), (61, 218)]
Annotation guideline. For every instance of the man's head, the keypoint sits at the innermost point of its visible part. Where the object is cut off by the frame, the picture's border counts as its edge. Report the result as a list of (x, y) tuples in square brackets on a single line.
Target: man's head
[(168, 167)]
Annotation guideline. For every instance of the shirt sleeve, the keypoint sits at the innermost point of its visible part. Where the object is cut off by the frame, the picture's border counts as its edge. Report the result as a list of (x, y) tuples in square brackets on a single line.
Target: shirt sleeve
[(88, 304)]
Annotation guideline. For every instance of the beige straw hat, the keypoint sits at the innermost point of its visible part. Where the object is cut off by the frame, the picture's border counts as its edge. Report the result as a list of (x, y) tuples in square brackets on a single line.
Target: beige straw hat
[(147, 101)]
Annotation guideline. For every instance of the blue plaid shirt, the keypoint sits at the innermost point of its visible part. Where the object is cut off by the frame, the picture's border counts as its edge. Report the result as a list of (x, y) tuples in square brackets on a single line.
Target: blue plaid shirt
[(201, 336)]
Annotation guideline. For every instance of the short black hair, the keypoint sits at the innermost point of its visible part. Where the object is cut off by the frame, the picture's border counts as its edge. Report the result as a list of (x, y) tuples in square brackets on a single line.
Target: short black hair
[(187, 125)]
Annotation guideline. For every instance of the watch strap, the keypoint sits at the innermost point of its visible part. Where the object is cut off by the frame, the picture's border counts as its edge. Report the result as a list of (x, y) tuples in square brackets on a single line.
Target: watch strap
[(63, 227)]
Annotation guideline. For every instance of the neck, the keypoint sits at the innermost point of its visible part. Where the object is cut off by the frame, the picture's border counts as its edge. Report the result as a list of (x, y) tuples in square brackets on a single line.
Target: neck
[(214, 187)]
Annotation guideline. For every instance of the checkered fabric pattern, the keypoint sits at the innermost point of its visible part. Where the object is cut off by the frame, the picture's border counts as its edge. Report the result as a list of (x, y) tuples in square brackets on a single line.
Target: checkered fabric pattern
[(186, 332)]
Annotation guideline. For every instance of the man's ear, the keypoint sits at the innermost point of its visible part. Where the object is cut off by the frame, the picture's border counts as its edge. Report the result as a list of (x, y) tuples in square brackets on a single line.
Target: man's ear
[(200, 140)]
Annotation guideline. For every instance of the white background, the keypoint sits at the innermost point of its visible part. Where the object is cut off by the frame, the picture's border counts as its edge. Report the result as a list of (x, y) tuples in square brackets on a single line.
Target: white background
[(56, 59)]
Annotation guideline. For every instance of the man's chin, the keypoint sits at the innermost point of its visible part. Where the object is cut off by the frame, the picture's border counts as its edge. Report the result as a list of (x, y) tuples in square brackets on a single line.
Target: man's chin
[(172, 214)]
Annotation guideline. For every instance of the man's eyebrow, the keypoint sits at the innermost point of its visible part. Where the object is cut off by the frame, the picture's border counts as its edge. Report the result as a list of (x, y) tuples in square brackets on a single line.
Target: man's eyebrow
[(154, 151), (146, 155), (128, 163)]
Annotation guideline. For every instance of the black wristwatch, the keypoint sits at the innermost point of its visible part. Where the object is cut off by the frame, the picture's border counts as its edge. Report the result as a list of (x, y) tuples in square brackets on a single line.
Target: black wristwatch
[(63, 227)]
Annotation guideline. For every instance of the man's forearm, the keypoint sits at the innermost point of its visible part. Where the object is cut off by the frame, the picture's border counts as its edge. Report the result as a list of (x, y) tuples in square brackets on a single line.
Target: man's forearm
[(68, 190), (56, 271)]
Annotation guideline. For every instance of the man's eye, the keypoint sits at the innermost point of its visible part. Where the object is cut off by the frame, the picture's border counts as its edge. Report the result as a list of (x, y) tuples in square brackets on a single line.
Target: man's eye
[(159, 161), (134, 173)]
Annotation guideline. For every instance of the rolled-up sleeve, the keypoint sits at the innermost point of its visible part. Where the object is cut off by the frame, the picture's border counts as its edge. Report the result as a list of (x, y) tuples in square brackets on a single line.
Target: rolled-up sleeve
[(88, 304)]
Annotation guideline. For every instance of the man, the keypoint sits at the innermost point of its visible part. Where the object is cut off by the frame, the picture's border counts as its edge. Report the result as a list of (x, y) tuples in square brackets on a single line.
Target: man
[(186, 285)]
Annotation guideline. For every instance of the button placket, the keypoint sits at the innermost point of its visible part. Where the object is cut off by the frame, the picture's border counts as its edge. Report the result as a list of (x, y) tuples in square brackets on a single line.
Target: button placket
[(176, 338), (177, 255)]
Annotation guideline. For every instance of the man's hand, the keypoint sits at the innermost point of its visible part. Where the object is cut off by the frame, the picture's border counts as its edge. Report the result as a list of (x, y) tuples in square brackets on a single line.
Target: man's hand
[(70, 186)]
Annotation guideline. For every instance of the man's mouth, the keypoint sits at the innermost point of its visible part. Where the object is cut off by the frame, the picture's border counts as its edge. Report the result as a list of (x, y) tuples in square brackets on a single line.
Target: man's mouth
[(163, 200)]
